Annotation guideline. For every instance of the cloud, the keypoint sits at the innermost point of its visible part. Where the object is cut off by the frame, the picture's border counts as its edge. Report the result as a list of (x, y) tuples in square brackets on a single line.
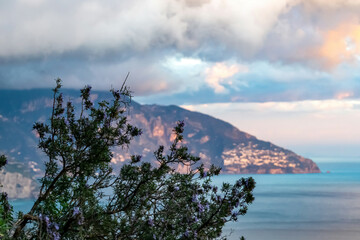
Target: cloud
[(97, 28), (36, 104), (293, 124), (318, 34), (196, 3), (97, 43), (341, 44), (43, 28), (3, 119), (343, 95), (146, 77), (315, 5), (307, 106), (220, 73), (264, 82)]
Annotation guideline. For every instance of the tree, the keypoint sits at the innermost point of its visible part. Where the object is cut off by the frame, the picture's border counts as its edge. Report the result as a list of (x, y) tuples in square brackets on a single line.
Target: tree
[(5, 208), (81, 197)]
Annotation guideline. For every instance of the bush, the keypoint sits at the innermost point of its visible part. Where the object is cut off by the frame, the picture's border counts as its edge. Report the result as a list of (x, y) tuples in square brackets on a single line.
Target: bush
[(81, 197)]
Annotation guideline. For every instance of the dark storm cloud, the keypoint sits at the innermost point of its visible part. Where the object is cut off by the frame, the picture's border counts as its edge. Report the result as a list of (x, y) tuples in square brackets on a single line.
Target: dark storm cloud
[(145, 76)]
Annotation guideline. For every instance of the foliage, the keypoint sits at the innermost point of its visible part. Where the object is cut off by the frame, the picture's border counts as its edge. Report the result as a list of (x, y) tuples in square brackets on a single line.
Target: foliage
[(81, 197), (6, 210)]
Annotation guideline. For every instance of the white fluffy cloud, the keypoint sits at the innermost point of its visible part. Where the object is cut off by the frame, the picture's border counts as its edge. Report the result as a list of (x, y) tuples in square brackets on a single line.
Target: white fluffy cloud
[(32, 28)]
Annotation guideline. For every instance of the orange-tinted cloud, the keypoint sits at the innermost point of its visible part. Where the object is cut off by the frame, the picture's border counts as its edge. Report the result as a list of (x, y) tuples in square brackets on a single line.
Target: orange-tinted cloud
[(341, 44), (343, 95), (220, 73)]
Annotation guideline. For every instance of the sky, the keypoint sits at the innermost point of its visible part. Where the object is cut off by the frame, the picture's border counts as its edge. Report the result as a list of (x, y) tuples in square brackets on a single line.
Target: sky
[(286, 71)]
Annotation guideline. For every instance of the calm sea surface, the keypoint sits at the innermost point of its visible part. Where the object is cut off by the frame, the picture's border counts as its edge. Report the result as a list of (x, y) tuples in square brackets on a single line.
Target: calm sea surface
[(322, 206)]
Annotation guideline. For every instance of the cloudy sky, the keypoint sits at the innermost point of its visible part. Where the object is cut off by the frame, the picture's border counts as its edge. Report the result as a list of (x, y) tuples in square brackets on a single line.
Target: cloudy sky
[(287, 71)]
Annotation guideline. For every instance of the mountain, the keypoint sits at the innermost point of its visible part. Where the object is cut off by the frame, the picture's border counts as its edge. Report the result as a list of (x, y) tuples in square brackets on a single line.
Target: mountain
[(215, 141)]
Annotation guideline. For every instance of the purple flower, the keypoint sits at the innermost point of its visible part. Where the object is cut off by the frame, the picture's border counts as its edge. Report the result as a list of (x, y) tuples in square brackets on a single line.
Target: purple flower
[(56, 236), (194, 198), (76, 211), (201, 208), (51, 227), (176, 188), (186, 233), (81, 220), (151, 222), (47, 220), (56, 226)]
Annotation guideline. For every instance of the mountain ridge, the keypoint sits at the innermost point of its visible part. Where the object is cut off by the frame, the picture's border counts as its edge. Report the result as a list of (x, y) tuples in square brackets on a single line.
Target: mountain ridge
[(215, 141), (226, 139)]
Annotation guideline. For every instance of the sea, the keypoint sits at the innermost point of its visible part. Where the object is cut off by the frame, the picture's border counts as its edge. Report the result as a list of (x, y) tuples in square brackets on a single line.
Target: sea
[(322, 206)]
